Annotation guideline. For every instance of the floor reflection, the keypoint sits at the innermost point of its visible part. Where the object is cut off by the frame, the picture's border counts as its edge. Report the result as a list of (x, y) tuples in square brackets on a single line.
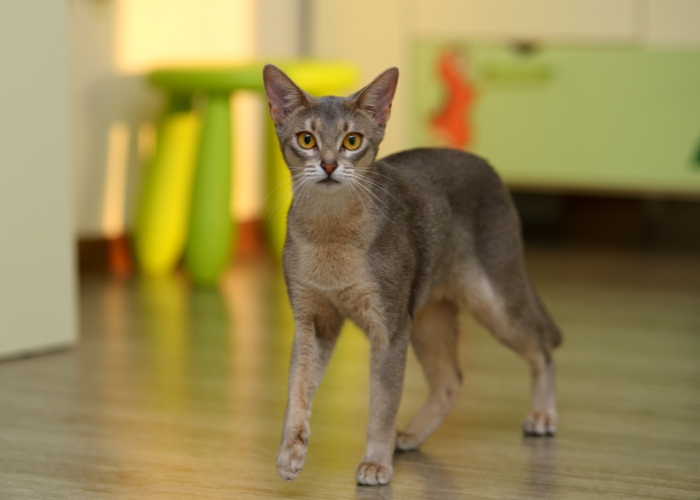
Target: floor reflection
[(541, 465), (431, 477), (162, 307), (374, 492), (197, 357)]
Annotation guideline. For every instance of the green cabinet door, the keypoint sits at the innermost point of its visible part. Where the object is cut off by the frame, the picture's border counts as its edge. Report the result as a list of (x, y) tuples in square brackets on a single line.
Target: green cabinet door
[(616, 119)]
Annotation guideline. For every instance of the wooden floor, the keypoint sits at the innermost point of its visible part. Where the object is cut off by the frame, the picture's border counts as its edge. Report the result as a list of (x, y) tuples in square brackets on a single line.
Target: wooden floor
[(179, 393)]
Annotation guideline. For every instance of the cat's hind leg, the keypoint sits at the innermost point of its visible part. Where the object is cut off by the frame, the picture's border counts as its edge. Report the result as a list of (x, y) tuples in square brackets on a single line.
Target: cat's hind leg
[(434, 340), (514, 315)]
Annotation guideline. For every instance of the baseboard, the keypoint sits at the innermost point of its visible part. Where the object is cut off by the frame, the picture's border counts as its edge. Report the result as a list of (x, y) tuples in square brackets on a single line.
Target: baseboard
[(115, 256)]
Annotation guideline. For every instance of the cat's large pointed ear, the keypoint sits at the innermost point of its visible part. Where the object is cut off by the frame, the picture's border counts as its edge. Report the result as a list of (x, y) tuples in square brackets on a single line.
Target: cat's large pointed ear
[(283, 95), (376, 97)]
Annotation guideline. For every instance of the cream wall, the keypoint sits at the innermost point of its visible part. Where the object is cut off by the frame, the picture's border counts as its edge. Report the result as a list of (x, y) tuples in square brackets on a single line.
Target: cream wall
[(374, 35), (37, 282)]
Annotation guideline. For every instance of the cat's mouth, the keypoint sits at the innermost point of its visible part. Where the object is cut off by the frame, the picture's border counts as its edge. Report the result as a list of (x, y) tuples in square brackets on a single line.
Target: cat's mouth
[(328, 181)]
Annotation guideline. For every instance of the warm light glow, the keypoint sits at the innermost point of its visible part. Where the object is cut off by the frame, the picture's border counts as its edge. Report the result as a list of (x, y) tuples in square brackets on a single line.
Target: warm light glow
[(248, 112), (115, 182), (152, 32), (146, 137)]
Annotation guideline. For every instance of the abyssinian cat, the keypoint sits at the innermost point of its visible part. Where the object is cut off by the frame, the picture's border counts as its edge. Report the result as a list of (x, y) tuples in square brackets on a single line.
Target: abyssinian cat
[(399, 246)]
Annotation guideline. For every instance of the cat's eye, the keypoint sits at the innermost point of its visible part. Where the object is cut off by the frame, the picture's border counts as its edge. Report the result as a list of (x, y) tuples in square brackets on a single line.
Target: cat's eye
[(306, 140), (352, 141)]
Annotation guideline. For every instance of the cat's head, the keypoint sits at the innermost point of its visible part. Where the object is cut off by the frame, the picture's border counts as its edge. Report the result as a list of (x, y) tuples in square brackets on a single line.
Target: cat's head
[(328, 142)]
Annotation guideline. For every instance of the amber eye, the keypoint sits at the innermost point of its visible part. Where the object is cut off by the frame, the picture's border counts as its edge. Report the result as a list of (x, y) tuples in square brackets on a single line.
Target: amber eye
[(352, 141), (306, 140)]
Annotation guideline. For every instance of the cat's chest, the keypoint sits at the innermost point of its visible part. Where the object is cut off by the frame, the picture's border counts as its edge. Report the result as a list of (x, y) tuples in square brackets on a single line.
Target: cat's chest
[(331, 266)]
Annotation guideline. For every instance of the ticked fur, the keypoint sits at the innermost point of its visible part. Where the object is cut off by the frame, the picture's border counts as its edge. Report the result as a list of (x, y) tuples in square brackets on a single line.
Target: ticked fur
[(398, 246)]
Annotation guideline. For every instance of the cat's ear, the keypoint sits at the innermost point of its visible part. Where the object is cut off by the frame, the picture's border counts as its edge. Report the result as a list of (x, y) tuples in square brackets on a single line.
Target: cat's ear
[(376, 97), (283, 95)]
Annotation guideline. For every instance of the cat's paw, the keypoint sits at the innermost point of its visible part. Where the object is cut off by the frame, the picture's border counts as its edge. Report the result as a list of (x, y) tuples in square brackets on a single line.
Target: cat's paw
[(291, 456), (540, 423), (373, 474), (406, 441)]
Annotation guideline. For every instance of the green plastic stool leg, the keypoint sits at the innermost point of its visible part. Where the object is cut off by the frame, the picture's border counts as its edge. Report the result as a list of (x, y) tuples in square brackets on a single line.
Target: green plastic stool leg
[(164, 197), (211, 228)]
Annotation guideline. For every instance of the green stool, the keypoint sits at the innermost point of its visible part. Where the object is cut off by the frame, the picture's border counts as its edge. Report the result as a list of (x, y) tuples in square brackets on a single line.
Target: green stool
[(185, 197)]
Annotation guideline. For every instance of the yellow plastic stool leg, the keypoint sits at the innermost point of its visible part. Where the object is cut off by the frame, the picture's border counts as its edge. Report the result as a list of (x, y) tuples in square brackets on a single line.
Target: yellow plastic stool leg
[(164, 199)]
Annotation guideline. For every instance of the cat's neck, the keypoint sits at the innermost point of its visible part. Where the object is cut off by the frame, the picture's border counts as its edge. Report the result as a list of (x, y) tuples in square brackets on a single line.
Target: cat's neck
[(343, 216)]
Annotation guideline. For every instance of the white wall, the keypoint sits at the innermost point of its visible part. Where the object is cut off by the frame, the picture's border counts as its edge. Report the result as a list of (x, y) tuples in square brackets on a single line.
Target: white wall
[(37, 286)]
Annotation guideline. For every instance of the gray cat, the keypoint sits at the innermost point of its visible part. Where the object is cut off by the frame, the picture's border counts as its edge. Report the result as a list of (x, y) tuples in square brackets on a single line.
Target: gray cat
[(398, 246)]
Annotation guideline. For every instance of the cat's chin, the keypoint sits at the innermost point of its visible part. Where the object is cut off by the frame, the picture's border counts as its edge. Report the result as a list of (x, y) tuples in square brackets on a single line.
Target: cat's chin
[(328, 185)]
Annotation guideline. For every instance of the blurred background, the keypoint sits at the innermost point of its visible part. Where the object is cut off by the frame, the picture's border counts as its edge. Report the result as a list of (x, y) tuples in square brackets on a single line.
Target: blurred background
[(588, 109)]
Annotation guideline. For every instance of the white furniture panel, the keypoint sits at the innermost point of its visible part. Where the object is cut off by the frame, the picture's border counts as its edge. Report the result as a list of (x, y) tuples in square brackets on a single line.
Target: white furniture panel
[(37, 289), (673, 23)]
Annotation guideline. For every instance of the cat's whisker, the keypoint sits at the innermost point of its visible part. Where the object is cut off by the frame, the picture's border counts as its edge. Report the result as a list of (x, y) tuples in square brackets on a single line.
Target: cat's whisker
[(380, 204), (382, 188), (274, 211), (374, 172), (368, 184), (305, 188), (377, 202), (357, 195), (284, 183), (283, 198), (300, 189), (278, 195)]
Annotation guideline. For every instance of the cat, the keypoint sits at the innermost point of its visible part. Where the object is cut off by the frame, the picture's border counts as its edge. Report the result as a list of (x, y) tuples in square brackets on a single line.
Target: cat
[(399, 246)]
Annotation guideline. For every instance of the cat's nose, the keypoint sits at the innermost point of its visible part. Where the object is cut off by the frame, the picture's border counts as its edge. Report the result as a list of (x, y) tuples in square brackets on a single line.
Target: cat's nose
[(329, 168)]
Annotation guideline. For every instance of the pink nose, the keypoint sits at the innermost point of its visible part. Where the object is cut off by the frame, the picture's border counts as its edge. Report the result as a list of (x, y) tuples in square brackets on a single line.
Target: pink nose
[(329, 168)]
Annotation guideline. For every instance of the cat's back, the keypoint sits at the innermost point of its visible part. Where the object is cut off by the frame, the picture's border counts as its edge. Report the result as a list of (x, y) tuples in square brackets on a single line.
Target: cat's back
[(463, 178), (441, 163)]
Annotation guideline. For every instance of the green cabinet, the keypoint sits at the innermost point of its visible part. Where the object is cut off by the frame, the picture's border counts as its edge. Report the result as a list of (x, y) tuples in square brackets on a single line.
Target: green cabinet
[(573, 118)]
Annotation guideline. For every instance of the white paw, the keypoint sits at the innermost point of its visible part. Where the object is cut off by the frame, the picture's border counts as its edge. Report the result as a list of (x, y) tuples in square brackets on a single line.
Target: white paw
[(373, 474), (292, 455), (540, 423)]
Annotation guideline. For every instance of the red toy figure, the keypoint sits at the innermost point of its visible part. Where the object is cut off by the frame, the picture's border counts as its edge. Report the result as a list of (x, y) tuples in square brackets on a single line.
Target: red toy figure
[(451, 123)]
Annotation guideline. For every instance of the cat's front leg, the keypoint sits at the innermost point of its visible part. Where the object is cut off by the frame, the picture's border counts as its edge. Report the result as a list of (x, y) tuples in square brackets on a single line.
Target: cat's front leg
[(386, 383), (314, 340)]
